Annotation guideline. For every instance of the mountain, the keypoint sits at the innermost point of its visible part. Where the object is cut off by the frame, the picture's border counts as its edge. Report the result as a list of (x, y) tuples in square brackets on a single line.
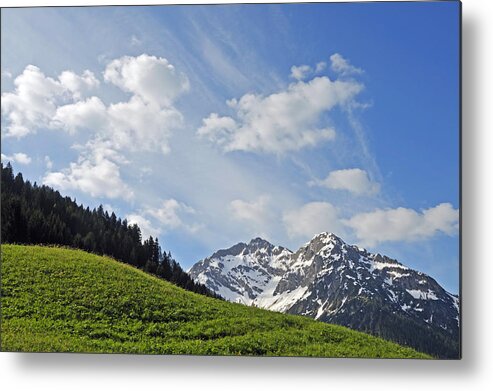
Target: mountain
[(64, 300), (243, 272), (331, 281)]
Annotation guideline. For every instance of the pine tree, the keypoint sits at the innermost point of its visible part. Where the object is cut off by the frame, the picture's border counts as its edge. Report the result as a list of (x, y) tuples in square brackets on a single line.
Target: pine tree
[(33, 214), (89, 242)]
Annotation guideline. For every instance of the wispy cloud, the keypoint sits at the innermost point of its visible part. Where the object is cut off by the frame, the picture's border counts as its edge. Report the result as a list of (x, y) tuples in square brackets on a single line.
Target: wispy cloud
[(300, 72), (48, 162), (146, 227), (18, 157), (6, 74), (222, 65), (312, 218), (134, 41), (258, 215), (173, 214), (353, 180), (170, 215), (342, 66), (320, 66)]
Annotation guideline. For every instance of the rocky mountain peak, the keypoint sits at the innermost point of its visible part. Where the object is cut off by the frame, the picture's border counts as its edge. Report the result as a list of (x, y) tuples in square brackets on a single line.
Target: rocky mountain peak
[(243, 271), (327, 236), (332, 281), (258, 243), (233, 250), (325, 242)]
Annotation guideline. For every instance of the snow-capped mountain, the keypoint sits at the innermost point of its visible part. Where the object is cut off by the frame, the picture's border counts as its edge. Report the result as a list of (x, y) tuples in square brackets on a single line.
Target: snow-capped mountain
[(244, 271), (334, 282)]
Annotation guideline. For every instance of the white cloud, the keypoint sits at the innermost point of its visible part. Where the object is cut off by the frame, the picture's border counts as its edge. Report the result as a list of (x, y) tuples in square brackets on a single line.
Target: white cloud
[(32, 104), (136, 125), (78, 85), (250, 211), (109, 208), (172, 215), (145, 173), (96, 172), (152, 78), (88, 114), (320, 66), (146, 227), (223, 68), (342, 66), (19, 157), (257, 217), (353, 180), (217, 128), (134, 41), (403, 224), (144, 122), (36, 98), (48, 162), (169, 216), (280, 122), (300, 72), (132, 125), (311, 219)]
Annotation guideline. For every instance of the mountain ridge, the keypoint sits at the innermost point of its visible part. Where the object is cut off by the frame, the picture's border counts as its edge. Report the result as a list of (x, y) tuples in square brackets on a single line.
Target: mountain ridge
[(334, 282)]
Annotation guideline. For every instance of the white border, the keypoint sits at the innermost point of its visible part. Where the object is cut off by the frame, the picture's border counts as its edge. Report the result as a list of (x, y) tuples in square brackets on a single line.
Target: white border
[(474, 372)]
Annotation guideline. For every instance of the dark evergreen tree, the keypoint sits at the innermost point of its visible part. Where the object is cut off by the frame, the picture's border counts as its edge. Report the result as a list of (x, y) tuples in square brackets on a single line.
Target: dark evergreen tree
[(33, 214)]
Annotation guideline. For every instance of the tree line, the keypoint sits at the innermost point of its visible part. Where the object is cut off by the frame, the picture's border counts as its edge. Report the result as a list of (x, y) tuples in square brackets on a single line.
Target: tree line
[(33, 214)]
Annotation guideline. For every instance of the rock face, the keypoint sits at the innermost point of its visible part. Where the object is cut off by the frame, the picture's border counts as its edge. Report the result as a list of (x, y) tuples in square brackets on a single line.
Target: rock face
[(242, 272), (334, 282)]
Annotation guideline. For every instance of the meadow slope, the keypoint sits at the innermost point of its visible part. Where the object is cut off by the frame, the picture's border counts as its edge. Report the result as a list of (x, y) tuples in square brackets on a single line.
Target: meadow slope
[(64, 300)]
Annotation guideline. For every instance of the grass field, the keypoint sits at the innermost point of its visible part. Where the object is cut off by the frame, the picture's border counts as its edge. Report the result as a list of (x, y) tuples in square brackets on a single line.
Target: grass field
[(63, 300)]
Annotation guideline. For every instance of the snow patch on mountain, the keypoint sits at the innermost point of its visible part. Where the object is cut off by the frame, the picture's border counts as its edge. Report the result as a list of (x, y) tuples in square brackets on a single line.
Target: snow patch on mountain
[(329, 280)]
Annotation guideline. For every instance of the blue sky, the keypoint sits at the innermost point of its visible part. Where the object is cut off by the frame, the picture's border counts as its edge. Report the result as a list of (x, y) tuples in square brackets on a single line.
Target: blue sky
[(209, 125)]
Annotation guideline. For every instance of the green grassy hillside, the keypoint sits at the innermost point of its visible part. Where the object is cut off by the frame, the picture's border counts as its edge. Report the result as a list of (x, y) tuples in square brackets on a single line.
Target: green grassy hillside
[(62, 300)]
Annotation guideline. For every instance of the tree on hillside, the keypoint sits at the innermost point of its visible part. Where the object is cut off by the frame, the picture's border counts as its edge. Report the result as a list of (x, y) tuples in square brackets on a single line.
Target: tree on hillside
[(33, 214)]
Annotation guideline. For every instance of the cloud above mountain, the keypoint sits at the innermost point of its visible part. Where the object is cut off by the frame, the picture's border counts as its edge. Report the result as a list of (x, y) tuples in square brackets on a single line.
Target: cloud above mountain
[(311, 219), (404, 224), (353, 180)]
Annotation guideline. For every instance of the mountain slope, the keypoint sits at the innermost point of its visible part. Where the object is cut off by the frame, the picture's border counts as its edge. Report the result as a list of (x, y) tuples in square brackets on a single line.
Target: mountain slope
[(334, 282), (242, 272), (61, 300)]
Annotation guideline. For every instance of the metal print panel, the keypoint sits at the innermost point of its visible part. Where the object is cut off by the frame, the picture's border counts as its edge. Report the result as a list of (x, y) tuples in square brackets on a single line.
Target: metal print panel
[(268, 180)]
